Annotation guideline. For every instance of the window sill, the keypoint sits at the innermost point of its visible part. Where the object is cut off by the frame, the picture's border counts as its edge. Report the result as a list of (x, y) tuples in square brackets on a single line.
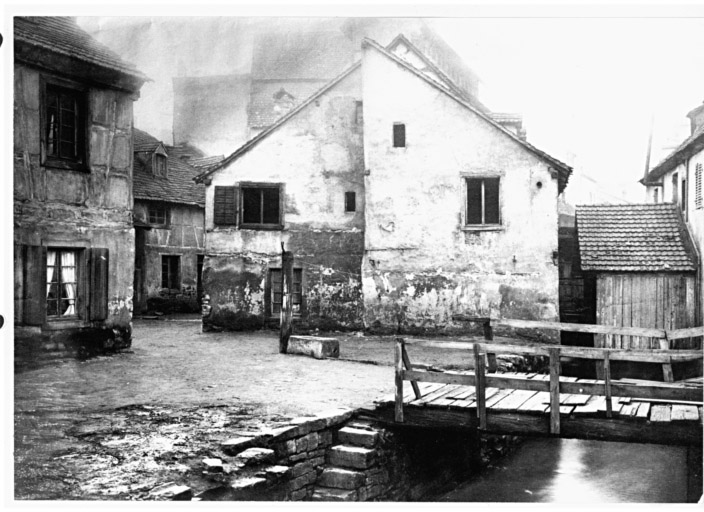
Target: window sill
[(483, 227), (262, 227), (52, 163), (57, 324)]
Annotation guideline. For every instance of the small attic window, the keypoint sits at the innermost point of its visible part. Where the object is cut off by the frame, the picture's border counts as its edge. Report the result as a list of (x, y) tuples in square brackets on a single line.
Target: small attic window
[(399, 135), (159, 165)]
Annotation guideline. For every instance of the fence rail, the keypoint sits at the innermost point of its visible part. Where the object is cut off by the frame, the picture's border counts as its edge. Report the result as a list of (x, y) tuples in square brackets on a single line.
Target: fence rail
[(554, 385)]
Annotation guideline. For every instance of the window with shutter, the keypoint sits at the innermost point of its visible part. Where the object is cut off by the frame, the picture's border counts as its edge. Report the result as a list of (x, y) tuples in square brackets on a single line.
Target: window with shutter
[(225, 206), (33, 284), (99, 265), (261, 206)]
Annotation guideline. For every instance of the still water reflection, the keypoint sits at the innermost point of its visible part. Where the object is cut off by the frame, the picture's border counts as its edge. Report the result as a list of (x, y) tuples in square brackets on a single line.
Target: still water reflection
[(569, 470)]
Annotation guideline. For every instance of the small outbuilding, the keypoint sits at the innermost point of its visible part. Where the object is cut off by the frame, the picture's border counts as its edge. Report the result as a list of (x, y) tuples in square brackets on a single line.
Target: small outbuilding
[(643, 265)]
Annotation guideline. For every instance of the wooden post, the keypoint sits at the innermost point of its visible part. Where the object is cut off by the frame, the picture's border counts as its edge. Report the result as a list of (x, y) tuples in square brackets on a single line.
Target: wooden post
[(480, 385), (407, 365), (607, 383), (398, 409), (489, 336), (286, 296), (554, 390)]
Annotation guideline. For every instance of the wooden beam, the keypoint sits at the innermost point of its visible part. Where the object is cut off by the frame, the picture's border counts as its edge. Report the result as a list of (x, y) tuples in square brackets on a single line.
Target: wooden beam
[(554, 390), (607, 385), (588, 328), (691, 332), (286, 299), (489, 336), (654, 390), (398, 409), (643, 356), (407, 364), (480, 386)]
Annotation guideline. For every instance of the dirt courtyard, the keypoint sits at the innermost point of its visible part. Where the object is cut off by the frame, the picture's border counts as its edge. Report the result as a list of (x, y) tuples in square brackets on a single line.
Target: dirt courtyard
[(114, 427)]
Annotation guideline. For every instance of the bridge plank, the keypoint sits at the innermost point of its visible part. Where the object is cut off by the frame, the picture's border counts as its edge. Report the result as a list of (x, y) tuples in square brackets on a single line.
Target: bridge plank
[(643, 410), (499, 395), (684, 413), (466, 391), (615, 406), (589, 408), (514, 400), (537, 403), (660, 413), (575, 399), (442, 391)]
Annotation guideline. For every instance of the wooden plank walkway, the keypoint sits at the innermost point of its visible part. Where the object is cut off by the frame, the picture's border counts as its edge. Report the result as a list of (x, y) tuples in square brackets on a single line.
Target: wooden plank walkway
[(527, 412)]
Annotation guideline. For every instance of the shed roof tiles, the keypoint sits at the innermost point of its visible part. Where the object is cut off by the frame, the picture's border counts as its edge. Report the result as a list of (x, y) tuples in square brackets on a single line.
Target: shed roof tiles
[(61, 34), (178, 185), (634, 238)]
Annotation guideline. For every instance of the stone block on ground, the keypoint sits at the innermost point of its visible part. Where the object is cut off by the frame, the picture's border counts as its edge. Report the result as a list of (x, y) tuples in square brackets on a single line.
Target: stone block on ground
[(341, 478), (274, 472), (328, 494), (314, 346), (236, 445), (255, 456), (213, 465), (172, 491), (357, 437), (351, 457)]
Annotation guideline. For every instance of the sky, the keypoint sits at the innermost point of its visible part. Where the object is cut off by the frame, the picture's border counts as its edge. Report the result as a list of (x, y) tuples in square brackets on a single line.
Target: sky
[(587, 87)]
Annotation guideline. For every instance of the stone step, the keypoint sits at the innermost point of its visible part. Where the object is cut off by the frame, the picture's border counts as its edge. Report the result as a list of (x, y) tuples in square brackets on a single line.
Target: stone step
[(254, 457), (357, 437), (341, 478), (351, 456), (329, 494)]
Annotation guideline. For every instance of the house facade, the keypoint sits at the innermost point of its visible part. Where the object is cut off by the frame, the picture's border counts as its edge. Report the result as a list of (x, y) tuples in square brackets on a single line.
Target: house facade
[(402, 200), (73, 234), (678, 179), (169, 224)]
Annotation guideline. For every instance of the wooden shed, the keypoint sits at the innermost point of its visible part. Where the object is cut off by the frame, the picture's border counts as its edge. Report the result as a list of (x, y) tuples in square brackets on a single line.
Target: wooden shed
[(644, 267)]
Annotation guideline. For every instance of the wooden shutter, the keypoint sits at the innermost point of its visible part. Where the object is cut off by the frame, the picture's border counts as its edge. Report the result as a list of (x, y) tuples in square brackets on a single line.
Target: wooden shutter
[(225, 206), (34, 285), (98, 267)]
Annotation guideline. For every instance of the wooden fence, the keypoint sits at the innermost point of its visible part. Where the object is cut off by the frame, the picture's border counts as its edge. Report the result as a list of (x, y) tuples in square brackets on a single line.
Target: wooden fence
[(481, 381)]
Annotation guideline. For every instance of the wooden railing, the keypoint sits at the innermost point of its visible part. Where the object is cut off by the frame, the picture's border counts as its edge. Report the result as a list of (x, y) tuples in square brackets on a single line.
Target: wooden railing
[(554, 386), (664, 337)]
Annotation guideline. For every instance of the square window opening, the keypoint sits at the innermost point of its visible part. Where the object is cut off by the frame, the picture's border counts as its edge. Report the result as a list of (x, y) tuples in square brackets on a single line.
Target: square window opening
[(64, 132), (62, 283), (261, 206), (483, 201), (156, 215)]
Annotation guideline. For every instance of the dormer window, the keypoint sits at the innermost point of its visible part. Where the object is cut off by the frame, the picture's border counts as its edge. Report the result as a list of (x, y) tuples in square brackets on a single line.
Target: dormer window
[(160, 165)]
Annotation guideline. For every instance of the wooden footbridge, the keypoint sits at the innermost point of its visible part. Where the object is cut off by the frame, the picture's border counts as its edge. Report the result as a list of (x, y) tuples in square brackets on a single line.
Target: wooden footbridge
[(549, 404)]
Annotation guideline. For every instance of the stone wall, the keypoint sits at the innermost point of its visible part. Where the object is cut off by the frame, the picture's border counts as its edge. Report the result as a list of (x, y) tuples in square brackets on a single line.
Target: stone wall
[(86, 208), (422, 262), (338, 456), (317, 155)]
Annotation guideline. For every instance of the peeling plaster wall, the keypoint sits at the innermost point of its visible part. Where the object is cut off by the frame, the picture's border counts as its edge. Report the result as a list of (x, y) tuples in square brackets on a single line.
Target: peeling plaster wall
[(93, 207), (184, 237), (421, 264), (318, 156)]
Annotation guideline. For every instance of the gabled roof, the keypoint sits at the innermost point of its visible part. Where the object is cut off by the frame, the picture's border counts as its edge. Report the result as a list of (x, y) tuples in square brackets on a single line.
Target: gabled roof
[(61, 35), (634, 238), (432, 68), (561, 168), (265, 133), (178, 185), (692, 144)]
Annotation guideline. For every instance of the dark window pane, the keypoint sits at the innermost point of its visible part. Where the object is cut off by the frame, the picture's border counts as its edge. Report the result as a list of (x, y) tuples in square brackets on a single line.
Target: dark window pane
[(271, 205), (350, 201), (491, 201), (251, 205), (399, 135), (474, 201)]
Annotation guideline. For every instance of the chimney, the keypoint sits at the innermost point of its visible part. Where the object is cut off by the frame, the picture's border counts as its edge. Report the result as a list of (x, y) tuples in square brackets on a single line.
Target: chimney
[(512, 122), (696, 118)]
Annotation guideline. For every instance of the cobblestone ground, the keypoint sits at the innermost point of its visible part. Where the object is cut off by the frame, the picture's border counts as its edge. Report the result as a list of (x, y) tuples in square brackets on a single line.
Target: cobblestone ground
[(114, 427)]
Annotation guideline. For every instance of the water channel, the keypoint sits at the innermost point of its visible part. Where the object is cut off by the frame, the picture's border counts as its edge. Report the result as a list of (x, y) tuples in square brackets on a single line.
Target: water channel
[(578, 471)]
